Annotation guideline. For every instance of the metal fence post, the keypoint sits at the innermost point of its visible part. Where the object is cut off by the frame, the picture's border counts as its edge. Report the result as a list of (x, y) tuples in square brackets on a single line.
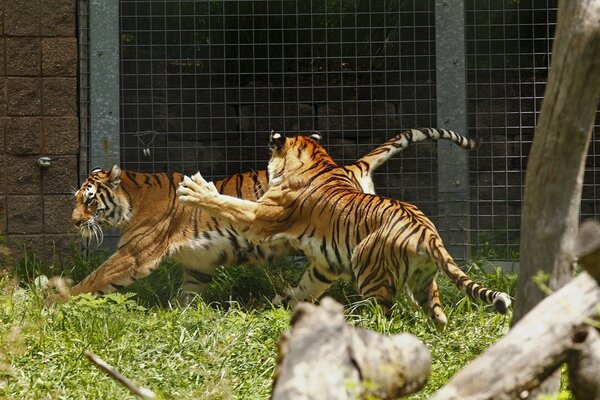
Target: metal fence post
[(453, 179), (104, 149), (104, 83)]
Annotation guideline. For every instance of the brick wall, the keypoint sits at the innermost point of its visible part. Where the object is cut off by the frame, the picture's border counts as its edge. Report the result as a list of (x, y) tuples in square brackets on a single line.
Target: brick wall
[(38, 117)]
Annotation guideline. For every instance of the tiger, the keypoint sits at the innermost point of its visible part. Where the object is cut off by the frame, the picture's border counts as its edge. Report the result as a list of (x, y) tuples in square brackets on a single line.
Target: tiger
[(154, 226), (312, 203)]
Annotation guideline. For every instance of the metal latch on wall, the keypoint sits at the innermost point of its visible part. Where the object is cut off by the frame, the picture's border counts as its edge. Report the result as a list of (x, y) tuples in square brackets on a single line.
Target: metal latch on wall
[(44, 162)]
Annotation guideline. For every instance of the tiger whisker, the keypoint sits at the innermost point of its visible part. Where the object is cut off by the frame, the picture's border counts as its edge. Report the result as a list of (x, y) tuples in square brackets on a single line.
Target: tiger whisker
[(92, 232)]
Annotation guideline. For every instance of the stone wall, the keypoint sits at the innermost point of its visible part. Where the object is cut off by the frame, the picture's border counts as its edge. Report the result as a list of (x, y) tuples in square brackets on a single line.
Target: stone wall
[(38, 117)]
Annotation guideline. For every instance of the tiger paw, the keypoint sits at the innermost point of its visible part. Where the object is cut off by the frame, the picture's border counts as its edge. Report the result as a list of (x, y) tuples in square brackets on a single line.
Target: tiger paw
[(288, 299), (195, 189), (279, 300)]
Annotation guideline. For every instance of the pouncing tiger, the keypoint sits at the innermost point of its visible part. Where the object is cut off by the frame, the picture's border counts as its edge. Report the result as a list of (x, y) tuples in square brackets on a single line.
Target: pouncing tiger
[(314, 204), (155, 226)]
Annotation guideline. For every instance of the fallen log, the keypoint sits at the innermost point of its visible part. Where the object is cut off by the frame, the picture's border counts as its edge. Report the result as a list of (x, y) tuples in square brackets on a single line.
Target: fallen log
[(584, 356), (534, 348), (559, 329), (587, 248), (322, 357), (584, 363)]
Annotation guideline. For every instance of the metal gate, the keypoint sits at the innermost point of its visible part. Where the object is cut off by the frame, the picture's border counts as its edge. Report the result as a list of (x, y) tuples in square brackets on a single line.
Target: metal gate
[(201, 84)]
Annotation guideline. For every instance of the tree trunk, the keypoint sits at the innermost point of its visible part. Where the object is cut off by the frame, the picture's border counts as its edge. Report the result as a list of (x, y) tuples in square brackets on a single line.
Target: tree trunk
[(555, 168), (325, 358)]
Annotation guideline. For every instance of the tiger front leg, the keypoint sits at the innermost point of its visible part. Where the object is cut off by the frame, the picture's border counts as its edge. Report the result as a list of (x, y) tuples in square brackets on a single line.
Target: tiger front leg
[(119, 271), (197, 192)]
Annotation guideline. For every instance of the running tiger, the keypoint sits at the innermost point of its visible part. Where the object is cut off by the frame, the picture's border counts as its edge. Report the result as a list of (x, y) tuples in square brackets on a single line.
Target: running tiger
[(154, 226), (313, 204)]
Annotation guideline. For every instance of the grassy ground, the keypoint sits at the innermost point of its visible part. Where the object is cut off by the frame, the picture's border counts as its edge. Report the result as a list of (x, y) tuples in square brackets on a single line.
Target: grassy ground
[(221, 347)]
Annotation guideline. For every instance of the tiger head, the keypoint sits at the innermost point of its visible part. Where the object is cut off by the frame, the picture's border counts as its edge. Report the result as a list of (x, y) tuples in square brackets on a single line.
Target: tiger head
[(291, 156), (98, 204)]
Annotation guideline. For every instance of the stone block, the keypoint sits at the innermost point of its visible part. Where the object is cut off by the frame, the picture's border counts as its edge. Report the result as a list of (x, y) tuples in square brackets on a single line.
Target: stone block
[(289, 118), (59, 250), (27, 246), (61, 135), (212, 119), (495, 153), (2, 216), (21, 17), (60, 96), (2, 50), (360, 117), (58, 18), (23, 56), (2, 135), (61, 176), (22, 175), (24, 214), (24, 135), (59, 56), (2, 174), (57, 214), (3, 108), (24, 96)]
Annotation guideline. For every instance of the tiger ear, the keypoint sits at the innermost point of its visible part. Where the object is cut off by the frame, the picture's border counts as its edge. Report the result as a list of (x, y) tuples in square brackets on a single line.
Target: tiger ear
[(115, 176), (95, 170), (276, 140), (317, 136)]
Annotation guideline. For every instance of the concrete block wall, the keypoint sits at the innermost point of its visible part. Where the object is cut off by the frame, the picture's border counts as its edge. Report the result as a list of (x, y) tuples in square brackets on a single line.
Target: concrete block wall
[(38, 117)]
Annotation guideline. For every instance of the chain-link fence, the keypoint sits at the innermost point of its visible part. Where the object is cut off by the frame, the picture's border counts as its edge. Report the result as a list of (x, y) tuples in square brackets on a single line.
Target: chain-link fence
[(203, 82)]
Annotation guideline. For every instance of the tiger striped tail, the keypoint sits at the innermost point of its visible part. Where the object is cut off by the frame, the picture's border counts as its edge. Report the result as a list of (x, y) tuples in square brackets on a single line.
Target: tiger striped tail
[(500, 300), (406, 138)]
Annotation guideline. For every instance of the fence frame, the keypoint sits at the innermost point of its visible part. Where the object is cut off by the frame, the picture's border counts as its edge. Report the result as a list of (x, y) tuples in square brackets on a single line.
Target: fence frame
[(451, 88), (104, 138)]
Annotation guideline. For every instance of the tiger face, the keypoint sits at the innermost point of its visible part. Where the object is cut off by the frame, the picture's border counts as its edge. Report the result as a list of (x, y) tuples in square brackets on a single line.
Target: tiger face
[(97, 205)]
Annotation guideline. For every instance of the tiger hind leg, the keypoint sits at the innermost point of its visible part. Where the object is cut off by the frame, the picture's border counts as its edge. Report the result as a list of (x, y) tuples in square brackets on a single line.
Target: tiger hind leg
[(373, 276), (428, 298), (195, 284), (313, 283)]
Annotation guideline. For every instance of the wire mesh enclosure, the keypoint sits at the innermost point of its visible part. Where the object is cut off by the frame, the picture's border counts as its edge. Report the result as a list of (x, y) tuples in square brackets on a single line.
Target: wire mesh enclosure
[(203, 82), (509, 47)]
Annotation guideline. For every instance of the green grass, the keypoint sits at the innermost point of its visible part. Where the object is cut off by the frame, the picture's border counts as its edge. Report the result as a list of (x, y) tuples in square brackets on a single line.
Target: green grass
[(221, 347)]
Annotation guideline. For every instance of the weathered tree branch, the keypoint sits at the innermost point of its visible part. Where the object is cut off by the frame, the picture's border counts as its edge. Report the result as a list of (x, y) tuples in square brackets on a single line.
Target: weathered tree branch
[(325, 358), (142, 393), (587, 248), (584, 357), (533, 349), (584, 363)]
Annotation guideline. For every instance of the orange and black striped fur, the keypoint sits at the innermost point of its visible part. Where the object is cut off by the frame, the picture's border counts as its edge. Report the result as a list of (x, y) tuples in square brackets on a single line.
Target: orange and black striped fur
[(155, 226), (312, 203)]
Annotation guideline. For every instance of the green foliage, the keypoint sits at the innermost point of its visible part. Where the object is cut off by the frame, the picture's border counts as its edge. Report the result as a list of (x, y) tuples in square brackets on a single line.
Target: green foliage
[(220, 347), (500, 244)]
